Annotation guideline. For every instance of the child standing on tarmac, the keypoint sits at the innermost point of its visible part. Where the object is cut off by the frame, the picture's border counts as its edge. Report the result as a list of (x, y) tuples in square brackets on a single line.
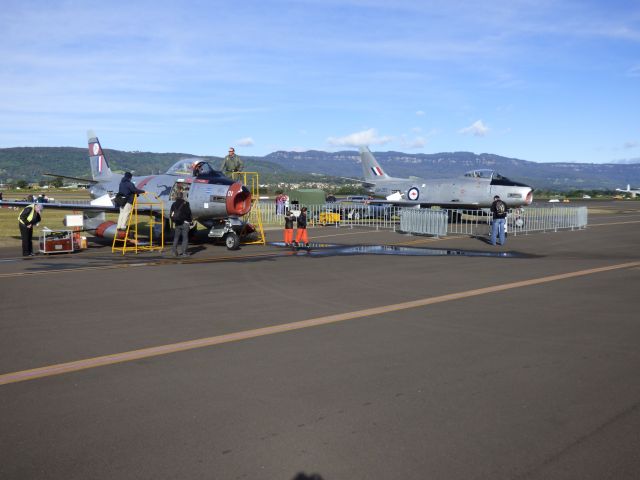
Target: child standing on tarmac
[(301, 234), (288, 228)]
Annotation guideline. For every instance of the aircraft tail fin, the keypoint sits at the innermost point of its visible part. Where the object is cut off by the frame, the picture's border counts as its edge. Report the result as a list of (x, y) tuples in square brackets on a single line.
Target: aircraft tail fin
[(370, 167), (99, 166)]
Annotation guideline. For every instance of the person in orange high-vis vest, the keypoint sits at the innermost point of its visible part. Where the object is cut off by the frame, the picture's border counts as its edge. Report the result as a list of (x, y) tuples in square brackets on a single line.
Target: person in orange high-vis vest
[(301, 233), (288, 228)]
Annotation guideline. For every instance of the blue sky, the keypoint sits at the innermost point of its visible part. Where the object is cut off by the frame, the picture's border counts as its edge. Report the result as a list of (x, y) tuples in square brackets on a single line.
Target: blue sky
[(538, 80)]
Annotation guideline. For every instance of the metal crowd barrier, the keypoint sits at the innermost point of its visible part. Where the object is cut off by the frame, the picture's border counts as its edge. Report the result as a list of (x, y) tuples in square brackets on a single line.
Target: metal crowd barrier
[(546, 219), (436, 222), (424, 221), (339, 215)]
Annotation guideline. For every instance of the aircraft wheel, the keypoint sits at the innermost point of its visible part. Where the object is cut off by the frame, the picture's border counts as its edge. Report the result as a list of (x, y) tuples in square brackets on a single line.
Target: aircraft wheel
[(232, 241)]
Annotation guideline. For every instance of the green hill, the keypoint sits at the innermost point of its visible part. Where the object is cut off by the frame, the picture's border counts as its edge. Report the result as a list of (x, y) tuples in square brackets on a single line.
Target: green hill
[(32, 163)]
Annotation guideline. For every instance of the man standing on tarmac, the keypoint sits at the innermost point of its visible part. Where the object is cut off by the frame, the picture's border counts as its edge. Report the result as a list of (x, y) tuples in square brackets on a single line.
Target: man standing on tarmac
[(288, 228), (301, 233), (181, 217), (231, 163), (499, 211), (126, 189), (28, 218)]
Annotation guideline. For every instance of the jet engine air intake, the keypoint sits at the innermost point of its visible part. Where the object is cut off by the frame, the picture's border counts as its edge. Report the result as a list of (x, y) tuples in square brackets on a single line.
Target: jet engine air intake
[(238, 200)]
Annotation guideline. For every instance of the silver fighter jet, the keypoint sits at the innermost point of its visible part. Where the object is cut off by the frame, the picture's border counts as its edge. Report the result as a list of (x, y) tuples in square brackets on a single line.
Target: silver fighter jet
[(217, 202), (475, 189)]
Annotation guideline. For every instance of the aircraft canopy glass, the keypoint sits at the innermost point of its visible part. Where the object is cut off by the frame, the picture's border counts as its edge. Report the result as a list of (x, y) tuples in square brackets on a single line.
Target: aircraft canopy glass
[(483, 173), (192, 166)]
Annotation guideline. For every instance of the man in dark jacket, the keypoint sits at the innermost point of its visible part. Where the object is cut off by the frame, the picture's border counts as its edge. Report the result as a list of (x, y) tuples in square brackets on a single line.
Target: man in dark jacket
[(28, 218), (180, 214), (301, 233), (126, 189), (499, 211), (288, 228)]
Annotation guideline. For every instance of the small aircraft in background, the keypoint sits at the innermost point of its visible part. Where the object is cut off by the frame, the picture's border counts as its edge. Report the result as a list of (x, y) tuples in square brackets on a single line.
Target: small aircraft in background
[(216, 201), (474, 190), (631, 191)]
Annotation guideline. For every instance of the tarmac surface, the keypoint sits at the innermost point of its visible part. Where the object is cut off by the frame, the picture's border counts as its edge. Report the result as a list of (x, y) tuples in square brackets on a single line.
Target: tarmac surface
[(277, 364)]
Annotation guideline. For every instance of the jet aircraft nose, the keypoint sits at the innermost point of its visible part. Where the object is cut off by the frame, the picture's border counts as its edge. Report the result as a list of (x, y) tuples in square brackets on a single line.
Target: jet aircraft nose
[(238, 199)]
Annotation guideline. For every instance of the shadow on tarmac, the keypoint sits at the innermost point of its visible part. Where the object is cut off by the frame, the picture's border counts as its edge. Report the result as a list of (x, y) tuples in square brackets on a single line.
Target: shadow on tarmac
[(331, 250)]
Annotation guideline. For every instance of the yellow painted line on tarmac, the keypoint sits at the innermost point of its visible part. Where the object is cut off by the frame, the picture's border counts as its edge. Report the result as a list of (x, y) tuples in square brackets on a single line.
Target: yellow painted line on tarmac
[(132, 355)]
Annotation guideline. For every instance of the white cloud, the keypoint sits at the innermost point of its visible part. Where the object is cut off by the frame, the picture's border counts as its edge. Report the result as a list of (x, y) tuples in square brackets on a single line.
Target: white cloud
[(245, 142), (412, 143), (629, 145), (420, 113), (634, 71), (477, 129), (366, 137)]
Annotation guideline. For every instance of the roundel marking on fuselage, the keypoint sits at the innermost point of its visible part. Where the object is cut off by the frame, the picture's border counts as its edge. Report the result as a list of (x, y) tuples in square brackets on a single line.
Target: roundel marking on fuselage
[(96, 148), (413, 194)]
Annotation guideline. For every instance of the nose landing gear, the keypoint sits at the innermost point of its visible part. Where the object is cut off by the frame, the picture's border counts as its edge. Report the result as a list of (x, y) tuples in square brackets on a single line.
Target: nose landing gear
[(226, 230), (231, 240)]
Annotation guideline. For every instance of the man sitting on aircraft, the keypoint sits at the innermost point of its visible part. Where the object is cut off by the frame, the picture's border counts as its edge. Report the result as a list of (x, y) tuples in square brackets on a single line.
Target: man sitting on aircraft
[(203, 169), (128, 190)]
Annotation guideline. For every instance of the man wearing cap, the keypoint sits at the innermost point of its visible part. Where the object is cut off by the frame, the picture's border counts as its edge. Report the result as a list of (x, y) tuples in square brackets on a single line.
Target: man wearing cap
[(181, 216), (499, 211), (231, 163), (28, 218), (128, 190)]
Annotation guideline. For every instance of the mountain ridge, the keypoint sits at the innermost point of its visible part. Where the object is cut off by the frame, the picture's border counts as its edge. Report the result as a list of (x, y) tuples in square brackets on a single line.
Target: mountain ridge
[(31, 163)]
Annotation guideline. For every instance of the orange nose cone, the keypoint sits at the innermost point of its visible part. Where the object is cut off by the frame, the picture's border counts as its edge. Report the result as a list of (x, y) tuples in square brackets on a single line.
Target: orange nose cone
[(238, 200)]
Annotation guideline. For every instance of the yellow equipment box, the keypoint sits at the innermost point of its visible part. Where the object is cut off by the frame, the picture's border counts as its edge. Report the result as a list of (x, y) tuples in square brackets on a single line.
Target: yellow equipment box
[(328, 217)]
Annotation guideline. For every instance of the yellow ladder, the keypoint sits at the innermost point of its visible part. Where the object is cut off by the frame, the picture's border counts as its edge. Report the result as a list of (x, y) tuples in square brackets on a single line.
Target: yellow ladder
[(254, 217), (133, 244)]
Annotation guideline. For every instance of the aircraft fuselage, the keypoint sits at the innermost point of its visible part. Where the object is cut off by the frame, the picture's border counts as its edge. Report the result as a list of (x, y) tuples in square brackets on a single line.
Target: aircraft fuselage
[(211, 199), (462, 192)]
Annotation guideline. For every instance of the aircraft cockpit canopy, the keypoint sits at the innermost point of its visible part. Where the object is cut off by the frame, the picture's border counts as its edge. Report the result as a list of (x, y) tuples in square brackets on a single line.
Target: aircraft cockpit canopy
[(193, 167), (483, 173), (203, 169), (494, 177)]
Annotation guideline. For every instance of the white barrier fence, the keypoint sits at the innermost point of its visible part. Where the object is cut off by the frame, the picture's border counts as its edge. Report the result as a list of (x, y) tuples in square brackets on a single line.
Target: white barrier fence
[(423, 221), (435, 222)]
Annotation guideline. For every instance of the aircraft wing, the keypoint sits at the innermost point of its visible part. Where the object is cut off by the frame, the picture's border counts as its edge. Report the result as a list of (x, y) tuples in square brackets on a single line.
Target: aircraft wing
[(84, 206), (77, 179), (410, 203)]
